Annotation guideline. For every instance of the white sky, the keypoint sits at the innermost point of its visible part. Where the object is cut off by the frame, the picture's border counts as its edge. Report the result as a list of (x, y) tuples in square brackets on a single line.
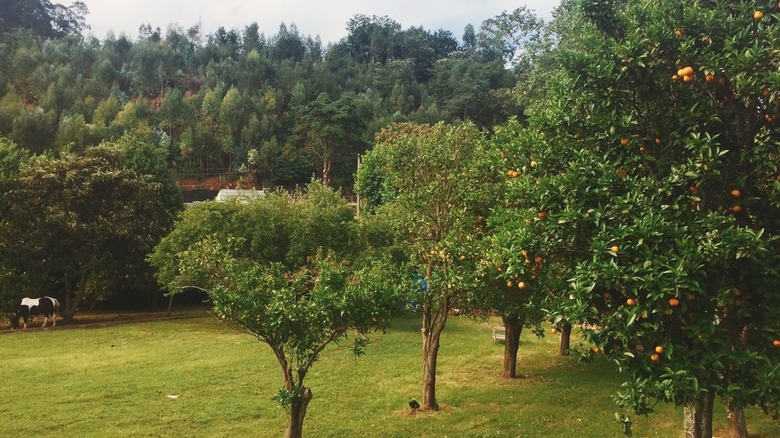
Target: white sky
[(326, 18)]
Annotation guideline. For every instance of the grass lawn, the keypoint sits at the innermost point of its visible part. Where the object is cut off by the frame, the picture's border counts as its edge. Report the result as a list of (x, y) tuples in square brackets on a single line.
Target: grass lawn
[(198, 377)]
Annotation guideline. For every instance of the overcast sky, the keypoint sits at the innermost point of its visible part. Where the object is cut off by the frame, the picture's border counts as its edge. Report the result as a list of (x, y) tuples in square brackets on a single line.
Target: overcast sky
[(326, 18)]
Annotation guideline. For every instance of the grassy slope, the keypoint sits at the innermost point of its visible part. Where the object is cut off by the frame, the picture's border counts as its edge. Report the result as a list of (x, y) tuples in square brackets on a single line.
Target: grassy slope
[(115, 382)]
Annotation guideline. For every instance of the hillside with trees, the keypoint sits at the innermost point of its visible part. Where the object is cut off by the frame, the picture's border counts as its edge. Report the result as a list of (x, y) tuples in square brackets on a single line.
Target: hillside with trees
[(266, 107)]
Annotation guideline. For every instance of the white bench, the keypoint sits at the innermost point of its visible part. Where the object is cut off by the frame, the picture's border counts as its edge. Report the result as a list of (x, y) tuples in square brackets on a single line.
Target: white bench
[(499, 334)]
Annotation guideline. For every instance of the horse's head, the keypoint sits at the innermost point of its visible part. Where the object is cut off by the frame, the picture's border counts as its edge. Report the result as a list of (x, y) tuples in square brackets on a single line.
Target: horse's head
[(14, 321)]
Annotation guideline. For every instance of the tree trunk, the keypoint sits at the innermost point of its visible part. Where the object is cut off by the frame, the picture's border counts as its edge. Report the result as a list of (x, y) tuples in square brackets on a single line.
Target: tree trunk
[(297, 414), (72, 302), (698, 417), (326, 163), (565, 339), (737, 423), (513, 328), (170, 302), (433, 324)]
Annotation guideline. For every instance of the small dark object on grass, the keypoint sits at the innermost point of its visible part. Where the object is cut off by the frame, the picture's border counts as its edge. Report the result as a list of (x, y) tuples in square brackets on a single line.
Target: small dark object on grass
[(413, 404)]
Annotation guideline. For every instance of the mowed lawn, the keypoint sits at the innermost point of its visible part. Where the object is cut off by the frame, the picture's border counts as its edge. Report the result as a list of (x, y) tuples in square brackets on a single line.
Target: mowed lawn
[(199, 377)]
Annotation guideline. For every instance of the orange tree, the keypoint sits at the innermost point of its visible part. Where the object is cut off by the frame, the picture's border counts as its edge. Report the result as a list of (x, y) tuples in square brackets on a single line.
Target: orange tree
[(430, 183), (664, 118), (520, 265), (296, 272)]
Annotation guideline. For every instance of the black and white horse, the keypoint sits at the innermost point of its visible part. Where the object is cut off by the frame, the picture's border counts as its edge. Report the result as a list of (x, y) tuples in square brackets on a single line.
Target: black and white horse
[(45, 306)]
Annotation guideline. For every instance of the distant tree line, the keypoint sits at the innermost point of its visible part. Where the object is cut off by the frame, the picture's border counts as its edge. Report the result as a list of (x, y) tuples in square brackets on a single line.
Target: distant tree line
[(271, 109)]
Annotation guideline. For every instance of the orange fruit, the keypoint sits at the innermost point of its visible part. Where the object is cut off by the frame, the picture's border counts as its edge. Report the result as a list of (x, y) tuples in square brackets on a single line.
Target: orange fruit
[(659, 349), (758, 15), (509, 283), (776, 343), (607, 296), (538, 260), (736, 193), (654, 357), (624, 141), (521, 285), (596, 350), (553, 330), (542, 214), (631, 302), (688, 78), (674, 302), (709, 78), (736, 209), (462, 257), (685, 71), (675, 77), (533, 163), (657, 141), (615, 249), (642, 149), (678, 32)]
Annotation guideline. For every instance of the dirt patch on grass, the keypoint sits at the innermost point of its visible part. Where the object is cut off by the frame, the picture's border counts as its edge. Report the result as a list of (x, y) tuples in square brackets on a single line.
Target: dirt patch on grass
[(100, 319)]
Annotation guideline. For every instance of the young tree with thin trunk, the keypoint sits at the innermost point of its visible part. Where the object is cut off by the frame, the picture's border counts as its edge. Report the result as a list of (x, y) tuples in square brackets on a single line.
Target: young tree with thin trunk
[(434, 189), (291, 271)]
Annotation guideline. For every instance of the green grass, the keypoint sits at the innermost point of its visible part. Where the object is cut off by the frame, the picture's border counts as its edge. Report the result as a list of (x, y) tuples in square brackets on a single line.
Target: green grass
[(115, 381)]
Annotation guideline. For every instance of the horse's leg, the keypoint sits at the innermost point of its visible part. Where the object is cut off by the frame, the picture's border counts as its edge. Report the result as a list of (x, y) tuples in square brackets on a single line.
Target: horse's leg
[(53, 320), (25, 323), (45, 320)]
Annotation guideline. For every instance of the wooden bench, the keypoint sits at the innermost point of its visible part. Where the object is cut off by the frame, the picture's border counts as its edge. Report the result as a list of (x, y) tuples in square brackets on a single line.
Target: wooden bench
[(499, 334)]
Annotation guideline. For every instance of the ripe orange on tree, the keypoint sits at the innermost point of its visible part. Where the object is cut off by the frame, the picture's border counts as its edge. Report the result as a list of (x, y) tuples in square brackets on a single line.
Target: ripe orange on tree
[(685, 71), (674, 302), (659, 349), (521, 285), (736, 193), (631, 302), (736, 209), (542, 214), (624, 141), (654, 357), (758, 15), (614, 249), (776, 343)]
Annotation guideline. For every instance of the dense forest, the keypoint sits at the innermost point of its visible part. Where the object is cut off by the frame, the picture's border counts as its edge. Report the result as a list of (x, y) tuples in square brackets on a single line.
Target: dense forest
[(243, 105)]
